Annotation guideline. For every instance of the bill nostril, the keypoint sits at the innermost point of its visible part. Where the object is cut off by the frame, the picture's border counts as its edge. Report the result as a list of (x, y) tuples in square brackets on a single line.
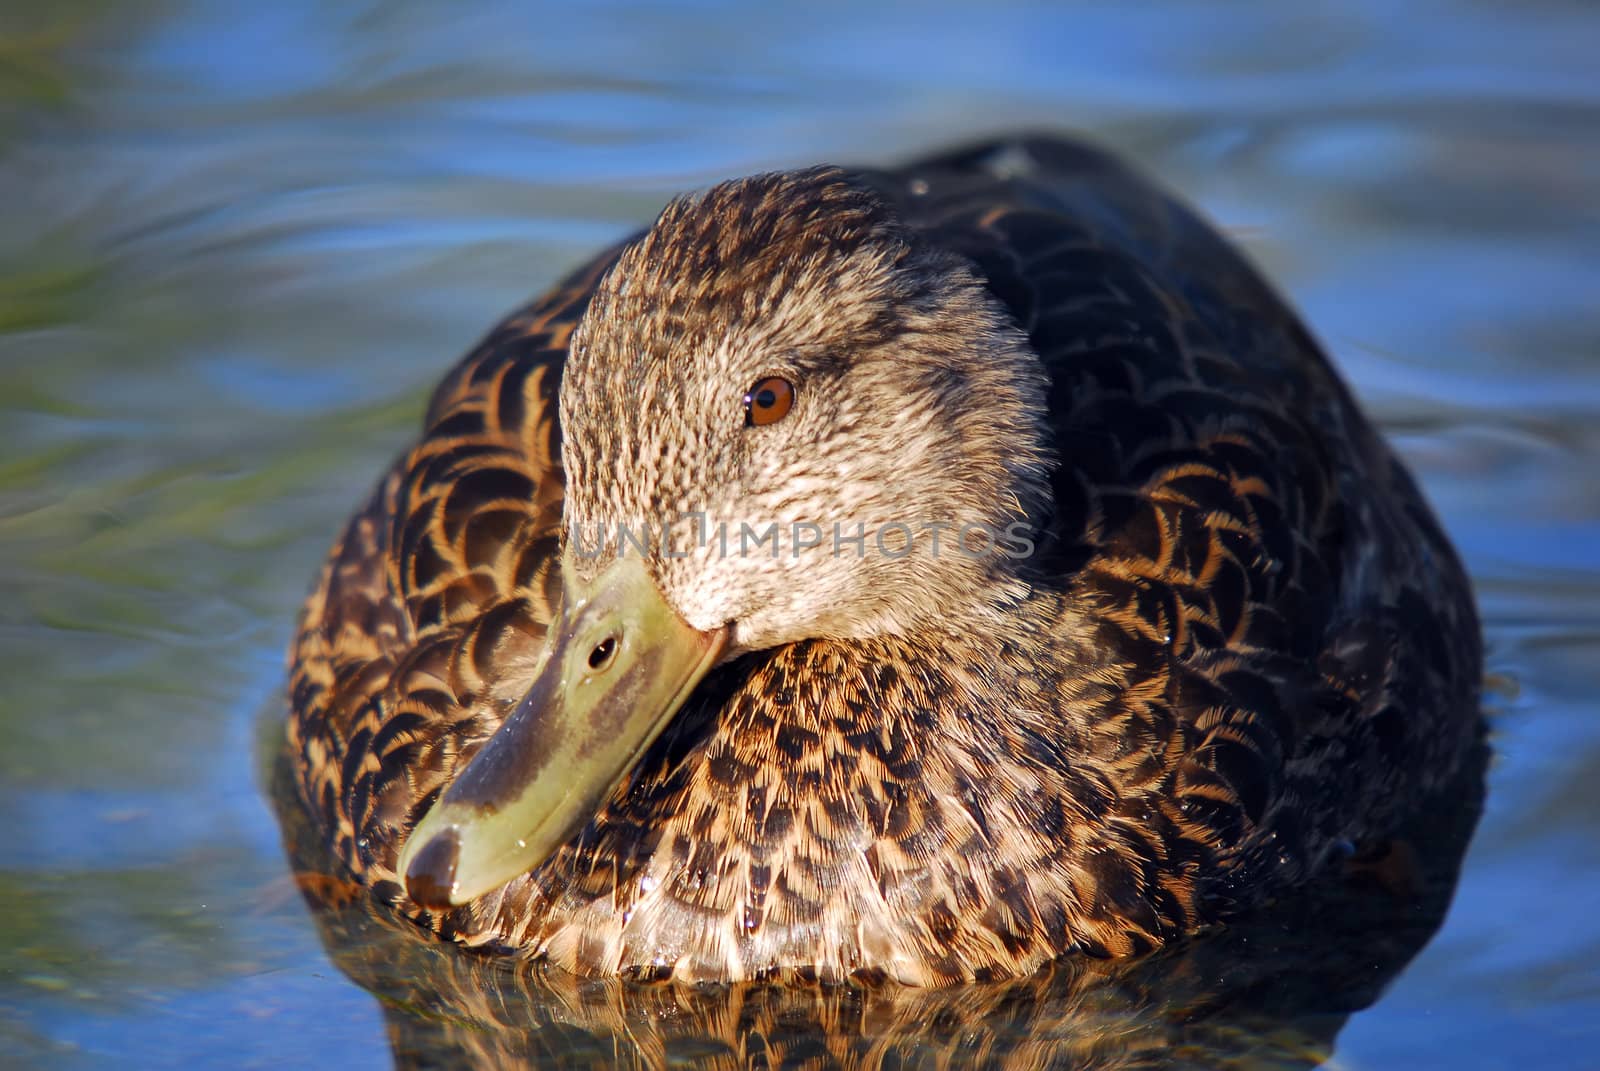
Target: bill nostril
[(603, 652)]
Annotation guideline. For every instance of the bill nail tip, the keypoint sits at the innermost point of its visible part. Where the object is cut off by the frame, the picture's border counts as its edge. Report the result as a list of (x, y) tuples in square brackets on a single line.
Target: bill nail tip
[(430, 877)]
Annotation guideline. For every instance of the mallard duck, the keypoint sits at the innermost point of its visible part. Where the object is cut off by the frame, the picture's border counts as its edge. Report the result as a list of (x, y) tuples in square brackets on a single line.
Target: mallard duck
[(649, 659)]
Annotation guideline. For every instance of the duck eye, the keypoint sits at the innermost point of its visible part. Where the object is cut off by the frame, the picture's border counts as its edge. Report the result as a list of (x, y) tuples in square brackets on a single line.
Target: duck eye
[(768, 401)]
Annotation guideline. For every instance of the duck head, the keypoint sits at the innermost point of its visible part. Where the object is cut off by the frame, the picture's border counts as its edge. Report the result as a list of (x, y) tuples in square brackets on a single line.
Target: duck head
[(785, 416)]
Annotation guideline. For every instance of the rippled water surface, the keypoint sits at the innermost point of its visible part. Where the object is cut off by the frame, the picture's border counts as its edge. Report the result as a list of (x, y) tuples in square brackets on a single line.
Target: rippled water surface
[(238, 242)]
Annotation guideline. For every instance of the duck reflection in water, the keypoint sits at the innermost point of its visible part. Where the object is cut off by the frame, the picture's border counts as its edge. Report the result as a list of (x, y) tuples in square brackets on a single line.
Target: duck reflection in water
[(1272, 989)]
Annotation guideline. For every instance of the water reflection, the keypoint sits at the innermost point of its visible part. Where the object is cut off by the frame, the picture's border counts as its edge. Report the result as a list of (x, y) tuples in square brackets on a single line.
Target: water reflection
[(1272, 991)]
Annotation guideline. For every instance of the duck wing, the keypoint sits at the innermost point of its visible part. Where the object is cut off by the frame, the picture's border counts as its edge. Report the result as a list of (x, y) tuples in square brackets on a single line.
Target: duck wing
[(442, 580), (1289, 640)]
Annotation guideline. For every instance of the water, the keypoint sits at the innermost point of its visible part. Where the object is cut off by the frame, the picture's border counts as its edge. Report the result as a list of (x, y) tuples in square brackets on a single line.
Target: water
[(238, 243)]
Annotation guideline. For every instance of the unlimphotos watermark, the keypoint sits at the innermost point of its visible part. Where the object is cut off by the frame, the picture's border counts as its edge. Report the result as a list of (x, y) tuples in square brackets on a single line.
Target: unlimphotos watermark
[(692, 533)]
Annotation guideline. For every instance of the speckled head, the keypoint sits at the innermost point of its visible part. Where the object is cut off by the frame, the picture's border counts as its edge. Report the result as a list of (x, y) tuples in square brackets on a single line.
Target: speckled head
[(917, 414), (785, 398)]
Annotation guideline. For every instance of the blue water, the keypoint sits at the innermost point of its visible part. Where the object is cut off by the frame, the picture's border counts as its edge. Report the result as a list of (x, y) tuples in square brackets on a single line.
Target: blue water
[(238, 243)]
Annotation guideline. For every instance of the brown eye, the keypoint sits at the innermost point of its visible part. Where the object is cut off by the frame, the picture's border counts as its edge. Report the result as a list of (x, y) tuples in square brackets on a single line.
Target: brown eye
[(768, 401)]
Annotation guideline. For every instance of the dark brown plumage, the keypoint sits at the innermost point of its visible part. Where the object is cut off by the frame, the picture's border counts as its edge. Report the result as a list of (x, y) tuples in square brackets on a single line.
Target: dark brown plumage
[(1240, 644), (1270, 990)]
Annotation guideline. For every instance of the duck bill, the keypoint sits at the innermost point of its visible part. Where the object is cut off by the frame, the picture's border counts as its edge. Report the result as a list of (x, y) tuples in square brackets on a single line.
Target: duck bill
[(618, 664)]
